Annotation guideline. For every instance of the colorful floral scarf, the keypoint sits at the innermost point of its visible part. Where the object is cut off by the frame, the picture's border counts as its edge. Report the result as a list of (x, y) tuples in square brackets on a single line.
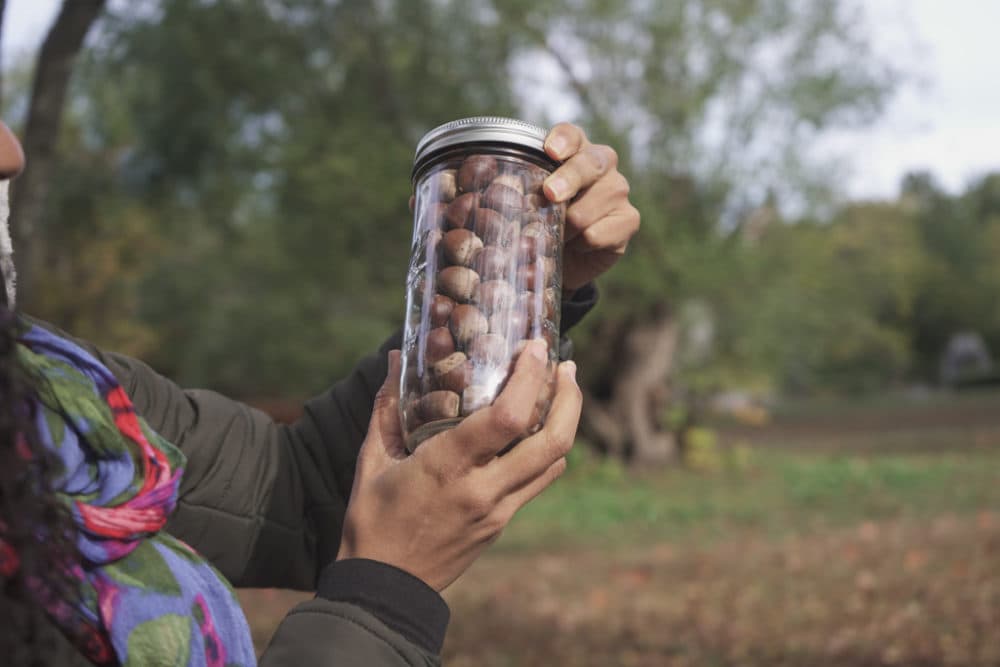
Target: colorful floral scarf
[(146, 597)]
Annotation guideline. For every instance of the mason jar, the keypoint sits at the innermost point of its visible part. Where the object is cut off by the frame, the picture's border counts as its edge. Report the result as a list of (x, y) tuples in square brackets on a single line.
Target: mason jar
[(485, 274)]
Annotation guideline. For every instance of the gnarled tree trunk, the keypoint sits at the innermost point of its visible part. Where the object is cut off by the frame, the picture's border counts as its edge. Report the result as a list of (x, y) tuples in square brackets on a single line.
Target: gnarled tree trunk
[(41, 133), (628, 424)]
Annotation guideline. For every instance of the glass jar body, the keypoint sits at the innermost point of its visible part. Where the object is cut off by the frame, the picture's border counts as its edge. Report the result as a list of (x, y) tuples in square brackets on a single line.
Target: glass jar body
[(485, 277)]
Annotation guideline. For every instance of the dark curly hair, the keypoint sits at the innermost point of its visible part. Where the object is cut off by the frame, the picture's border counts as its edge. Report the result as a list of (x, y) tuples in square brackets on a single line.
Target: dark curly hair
[(37, 544)]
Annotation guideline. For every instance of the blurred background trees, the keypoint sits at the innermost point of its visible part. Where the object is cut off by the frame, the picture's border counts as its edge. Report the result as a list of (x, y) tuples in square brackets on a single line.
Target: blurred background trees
[(229, 198)]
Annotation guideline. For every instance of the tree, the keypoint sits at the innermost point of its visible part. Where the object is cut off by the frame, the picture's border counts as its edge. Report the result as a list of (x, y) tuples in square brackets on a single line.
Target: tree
[(713, 102), (270, 172), (40, 138)]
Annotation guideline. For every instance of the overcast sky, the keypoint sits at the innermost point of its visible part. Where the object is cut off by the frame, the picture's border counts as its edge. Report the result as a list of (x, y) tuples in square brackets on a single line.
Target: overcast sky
[(948, 123)]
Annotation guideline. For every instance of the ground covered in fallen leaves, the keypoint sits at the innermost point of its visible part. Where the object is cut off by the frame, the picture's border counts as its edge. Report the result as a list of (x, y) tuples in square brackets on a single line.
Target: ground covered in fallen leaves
[(887, 593), (854, 547)]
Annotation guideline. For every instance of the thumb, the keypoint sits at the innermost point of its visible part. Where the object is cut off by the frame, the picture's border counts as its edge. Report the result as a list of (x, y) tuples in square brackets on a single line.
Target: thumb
[(383, 445)]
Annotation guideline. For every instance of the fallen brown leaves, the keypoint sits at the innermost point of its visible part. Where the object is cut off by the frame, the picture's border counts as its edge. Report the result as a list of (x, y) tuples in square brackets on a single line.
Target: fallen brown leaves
[(899, 593), (882, 593)]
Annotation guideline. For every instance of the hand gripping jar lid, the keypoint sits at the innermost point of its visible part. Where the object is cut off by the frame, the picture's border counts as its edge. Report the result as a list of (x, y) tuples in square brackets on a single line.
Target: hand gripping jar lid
[(481, 130)]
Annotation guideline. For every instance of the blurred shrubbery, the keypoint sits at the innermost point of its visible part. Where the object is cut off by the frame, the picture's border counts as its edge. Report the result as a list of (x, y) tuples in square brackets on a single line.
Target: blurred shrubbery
[(234, 210)]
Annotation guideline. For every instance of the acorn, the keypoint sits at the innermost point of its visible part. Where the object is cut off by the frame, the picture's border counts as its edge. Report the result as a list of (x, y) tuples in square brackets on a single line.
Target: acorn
[(459, 212), (453, 372), (476, 397), (445, 183), (513, 181), (535, 202), (439, 344), (466, 323), (433, 215), (493, 228), (442, 404), (493, 263), (476, 172), (512, 323), (502, 198), (440, 310), (489, 349), (536, 228), (495, 295), (461, 246), (458, 282), (537, 275)]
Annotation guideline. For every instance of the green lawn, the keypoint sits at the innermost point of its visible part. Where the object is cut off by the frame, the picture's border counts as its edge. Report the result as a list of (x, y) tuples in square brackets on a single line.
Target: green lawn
[(767, 490)]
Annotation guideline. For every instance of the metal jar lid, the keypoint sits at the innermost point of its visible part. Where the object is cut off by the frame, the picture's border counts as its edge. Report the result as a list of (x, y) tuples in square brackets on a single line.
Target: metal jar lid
[(480, 129)]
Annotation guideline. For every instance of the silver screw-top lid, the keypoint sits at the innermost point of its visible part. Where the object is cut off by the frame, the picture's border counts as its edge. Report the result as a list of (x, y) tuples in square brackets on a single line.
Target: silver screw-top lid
[(481, 129)]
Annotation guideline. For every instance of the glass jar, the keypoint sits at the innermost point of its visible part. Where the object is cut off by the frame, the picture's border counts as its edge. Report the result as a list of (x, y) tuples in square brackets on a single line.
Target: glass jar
[(485, 271)]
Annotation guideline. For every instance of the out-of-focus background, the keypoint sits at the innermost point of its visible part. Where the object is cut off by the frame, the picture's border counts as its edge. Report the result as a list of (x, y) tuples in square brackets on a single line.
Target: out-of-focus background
[(790, 447)]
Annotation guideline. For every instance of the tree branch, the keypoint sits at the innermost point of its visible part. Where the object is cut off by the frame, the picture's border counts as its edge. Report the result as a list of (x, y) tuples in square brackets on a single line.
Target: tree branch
[(41, 134)]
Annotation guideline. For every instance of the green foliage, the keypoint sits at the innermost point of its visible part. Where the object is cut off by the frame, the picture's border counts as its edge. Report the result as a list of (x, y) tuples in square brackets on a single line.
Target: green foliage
[(231, 202)]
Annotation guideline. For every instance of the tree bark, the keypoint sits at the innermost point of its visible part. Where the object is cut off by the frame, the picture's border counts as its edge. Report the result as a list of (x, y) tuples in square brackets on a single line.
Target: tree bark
[(629, 423), (41, 133), (3, 12)]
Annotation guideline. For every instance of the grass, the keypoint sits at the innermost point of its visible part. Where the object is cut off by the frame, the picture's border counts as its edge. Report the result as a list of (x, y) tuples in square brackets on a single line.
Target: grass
[(773, 491), (855, 541)]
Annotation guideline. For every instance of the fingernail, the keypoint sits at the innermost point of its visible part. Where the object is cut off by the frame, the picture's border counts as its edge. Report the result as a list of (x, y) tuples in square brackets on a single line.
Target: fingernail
[(569, 368), (557, 146), (539, 350), (558, 187)]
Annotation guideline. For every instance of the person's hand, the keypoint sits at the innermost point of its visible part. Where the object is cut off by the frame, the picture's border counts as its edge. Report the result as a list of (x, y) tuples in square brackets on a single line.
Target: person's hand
[(11, 154), (431, 514), (600, 220)]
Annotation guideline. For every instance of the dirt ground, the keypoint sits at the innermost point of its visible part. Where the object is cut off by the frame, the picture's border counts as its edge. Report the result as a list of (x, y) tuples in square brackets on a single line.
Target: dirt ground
[(894, 593)]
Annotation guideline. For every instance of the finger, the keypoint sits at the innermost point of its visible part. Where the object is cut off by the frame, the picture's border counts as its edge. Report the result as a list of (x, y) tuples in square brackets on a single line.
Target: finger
[(564, 140), (533, 456), (580, 172), (413, 201), (599, 200), (485, 432), (610, 233), (383, 444)]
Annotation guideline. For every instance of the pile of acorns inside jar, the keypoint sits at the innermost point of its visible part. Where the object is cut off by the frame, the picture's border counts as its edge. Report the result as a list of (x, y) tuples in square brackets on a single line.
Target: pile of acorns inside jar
[(485, 279)]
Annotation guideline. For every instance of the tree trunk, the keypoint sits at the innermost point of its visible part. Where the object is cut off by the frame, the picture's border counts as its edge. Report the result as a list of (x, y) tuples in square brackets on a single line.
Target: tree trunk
[(629, 424), (3, 12), (41, 133)]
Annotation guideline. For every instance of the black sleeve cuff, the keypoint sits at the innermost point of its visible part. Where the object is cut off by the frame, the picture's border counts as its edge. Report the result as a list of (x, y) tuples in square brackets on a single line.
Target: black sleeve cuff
[(576, 306), (397, 598)]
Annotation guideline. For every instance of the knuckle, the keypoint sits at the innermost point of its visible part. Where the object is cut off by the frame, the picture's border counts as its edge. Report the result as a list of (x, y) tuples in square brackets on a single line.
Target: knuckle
[(600, 161), (592, 236), (610, 156), (621, 187), (442, 474), (477, 504), (496, 522), (576, 216), (559, 445), (508, 421), (635, 217)]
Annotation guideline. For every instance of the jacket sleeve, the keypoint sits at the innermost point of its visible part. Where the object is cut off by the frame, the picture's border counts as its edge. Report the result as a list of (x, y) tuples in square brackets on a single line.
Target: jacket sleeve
[(365, 613), (263, 501)]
